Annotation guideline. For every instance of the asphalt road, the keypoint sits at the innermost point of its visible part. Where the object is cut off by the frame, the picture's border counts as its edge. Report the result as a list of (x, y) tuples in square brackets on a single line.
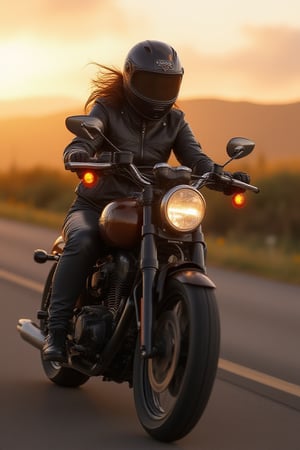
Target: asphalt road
[(255, 404)]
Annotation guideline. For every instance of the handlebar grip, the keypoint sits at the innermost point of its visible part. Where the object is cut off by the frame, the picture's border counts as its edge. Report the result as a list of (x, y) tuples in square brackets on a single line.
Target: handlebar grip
[(240, 184), (86, 166)]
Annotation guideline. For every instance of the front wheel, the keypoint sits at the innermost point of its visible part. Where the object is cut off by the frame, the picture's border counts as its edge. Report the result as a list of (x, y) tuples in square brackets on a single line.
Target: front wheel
[(171, 390)]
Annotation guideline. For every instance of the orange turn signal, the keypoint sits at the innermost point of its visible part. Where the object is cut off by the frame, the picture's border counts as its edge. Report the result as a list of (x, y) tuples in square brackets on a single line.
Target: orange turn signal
[(89, 179), (238, 200)]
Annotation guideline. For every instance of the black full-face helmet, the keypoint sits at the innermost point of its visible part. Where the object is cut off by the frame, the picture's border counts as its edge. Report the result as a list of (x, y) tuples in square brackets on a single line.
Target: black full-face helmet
[(152, 77)]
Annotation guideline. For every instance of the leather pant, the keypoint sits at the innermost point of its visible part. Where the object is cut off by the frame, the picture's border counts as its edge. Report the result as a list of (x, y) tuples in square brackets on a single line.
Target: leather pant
[(83, 244)]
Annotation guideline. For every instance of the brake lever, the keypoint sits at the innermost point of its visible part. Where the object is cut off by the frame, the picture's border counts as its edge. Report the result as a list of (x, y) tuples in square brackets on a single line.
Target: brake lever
[(231, 181)]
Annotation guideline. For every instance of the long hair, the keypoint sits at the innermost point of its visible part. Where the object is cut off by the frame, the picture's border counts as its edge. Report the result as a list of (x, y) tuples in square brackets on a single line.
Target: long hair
[(107, 84)]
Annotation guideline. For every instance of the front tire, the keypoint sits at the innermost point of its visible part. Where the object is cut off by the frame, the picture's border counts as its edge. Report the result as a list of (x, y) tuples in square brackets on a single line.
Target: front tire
[(171, 390), (55, 372)]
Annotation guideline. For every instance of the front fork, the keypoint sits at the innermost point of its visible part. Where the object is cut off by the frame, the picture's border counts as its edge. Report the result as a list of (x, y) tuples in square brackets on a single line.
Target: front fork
[(149, 268)]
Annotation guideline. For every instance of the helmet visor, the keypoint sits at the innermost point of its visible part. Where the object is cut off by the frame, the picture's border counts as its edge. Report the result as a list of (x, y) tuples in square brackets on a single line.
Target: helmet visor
[(156, 86)]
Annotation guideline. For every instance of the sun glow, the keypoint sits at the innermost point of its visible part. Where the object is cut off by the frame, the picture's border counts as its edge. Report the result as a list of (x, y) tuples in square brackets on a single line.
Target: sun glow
[(46, 47), (20, 59), (32, 67)]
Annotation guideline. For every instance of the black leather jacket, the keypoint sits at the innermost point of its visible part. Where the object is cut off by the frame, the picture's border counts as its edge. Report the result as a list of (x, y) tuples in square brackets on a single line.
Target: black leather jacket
[(150, 142)]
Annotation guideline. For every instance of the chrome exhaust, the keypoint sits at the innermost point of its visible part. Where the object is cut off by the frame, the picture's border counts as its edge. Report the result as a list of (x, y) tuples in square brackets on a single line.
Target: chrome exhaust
[(31, 333)]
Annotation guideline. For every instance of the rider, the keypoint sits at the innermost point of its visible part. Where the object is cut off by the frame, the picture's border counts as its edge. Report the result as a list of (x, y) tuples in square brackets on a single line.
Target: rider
[(138, 111)]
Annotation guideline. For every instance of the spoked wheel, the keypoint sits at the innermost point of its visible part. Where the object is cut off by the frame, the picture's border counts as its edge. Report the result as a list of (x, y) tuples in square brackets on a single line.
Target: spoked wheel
[(58, 374), (171, 390)]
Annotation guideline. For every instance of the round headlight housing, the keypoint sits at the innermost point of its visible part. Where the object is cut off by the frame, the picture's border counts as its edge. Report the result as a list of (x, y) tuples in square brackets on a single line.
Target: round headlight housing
[(183, 209)]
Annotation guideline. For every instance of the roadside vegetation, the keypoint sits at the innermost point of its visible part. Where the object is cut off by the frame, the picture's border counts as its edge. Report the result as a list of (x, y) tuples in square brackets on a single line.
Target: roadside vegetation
[(263, 238)]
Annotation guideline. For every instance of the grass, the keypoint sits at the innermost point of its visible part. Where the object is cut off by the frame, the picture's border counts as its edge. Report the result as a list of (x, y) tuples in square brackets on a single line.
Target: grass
[(261, 259), (24, 213)]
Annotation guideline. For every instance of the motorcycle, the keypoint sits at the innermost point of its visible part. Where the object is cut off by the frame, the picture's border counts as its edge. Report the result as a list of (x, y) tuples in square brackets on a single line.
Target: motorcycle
[(148, 314)]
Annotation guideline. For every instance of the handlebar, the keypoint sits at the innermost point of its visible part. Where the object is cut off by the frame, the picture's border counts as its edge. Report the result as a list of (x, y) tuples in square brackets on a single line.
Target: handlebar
[(100, 166), (137, 175)]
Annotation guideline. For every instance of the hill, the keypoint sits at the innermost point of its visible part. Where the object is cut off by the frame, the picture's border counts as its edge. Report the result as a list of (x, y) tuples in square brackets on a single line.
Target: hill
[(29, 140), (274, 128)]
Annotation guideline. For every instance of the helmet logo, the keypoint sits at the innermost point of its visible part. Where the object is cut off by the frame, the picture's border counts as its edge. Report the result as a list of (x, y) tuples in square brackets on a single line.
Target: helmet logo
[(164, 64)]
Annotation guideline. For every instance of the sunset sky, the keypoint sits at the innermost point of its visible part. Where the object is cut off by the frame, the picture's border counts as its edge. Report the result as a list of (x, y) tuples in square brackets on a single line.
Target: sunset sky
[(231, 49)]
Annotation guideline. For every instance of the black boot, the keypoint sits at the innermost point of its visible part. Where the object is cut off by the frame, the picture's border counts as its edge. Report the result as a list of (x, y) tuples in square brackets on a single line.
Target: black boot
[(55, 348)]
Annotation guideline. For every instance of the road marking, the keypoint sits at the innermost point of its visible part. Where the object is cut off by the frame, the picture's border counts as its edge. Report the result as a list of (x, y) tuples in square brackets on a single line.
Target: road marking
[(224, 364), (21, 281), (260, 377)]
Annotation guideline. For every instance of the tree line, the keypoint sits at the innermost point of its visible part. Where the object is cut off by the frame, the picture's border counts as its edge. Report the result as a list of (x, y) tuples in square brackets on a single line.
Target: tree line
[(274, 213)]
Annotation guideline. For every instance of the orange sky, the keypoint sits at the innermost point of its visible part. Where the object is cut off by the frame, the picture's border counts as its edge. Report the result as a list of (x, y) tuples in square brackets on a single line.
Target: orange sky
[(229, 48)]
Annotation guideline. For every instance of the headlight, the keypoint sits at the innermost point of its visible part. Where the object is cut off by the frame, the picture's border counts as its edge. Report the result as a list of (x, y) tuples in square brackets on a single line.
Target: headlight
[(183, 208)]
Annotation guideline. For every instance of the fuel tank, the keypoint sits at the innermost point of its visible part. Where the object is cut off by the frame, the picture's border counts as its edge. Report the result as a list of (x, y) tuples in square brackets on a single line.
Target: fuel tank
[(120, 223)]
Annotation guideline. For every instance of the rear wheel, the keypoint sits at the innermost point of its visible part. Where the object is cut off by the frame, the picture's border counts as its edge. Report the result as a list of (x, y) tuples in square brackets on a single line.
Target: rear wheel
[(171, 390), (58, 374)]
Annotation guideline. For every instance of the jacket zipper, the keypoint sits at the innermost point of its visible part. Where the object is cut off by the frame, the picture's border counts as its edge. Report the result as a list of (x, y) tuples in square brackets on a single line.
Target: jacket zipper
[(142, 140)]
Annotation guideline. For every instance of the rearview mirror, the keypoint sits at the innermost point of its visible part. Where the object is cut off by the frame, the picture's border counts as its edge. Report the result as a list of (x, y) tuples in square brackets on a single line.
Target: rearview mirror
[(239, 147), (84, 126)]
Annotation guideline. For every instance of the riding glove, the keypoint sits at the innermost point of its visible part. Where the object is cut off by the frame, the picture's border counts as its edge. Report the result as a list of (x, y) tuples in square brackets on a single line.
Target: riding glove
[(78, 156), (241, 176)]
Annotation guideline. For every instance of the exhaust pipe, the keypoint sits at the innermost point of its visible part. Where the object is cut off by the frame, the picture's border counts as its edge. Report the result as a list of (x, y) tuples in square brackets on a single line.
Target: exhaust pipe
[(31, 333)]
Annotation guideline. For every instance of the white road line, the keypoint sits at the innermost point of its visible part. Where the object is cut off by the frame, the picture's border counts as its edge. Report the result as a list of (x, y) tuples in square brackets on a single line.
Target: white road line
[(21, 281), (260, 377), (224, 364)]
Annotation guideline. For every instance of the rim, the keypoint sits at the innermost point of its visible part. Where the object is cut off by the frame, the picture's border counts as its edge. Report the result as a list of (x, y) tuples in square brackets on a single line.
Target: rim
[(161, 369), (164, 373)]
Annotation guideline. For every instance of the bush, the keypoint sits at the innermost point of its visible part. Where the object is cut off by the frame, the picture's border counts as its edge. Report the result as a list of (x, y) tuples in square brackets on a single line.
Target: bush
[(41, 188), (275, 211)]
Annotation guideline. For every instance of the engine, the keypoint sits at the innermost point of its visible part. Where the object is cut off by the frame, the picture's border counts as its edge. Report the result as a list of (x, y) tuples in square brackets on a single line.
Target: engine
[(108, 288), (111, 281), (93, 327)]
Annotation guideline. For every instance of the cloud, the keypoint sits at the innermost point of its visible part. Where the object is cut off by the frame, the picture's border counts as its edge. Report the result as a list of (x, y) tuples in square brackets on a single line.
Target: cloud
[(68, 19), (56, 39), (272, 55), (266, 67)]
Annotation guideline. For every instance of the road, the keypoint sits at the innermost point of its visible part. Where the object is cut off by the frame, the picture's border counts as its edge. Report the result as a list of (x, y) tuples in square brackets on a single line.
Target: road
[(255, 403)]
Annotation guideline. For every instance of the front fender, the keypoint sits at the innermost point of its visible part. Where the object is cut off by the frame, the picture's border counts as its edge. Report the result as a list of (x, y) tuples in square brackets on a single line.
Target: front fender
[(186, 275), (194, 277)]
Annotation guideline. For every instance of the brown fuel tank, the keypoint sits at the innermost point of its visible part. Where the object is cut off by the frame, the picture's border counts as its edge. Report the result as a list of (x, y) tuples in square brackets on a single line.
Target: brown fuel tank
[(120, 223)]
